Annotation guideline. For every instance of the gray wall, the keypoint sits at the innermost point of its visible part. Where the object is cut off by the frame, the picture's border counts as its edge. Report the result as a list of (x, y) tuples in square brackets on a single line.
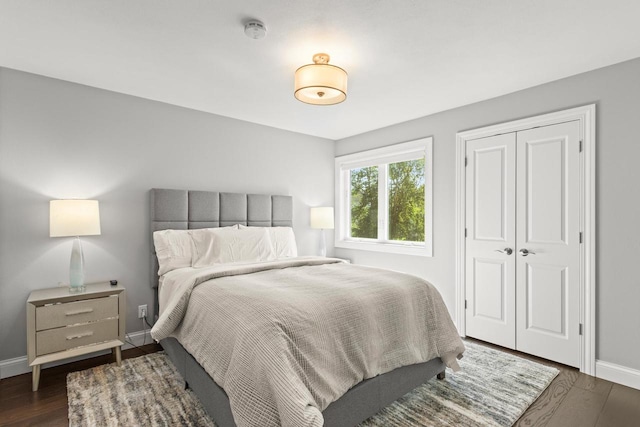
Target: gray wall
[(616, 91), (63, 140)]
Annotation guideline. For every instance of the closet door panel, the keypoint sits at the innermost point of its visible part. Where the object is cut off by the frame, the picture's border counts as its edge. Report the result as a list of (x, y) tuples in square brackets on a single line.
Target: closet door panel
[(490, 269), (548, 242)]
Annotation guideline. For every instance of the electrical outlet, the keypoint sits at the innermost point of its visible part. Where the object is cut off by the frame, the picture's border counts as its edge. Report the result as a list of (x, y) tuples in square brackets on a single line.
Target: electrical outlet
[(142, 311)]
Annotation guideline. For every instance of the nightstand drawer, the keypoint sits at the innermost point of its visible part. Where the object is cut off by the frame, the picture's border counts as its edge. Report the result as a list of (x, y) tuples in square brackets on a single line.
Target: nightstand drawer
[(53, 340), (54, 316)]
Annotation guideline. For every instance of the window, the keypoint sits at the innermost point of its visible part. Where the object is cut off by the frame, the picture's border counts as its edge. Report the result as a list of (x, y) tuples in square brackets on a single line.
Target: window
[(383, 199)]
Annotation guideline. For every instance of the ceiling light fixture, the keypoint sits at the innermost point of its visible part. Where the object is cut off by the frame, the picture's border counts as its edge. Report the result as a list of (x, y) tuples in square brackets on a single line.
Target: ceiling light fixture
[(255, 30), (320, 83)]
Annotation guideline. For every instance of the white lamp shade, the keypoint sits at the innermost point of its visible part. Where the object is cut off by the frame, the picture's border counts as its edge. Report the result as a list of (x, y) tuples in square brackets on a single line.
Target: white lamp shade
[(321, 84), (322, 217), (74, 218)]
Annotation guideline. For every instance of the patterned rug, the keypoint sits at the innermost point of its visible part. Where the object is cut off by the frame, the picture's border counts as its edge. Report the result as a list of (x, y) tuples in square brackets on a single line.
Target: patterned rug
[(493, 389)]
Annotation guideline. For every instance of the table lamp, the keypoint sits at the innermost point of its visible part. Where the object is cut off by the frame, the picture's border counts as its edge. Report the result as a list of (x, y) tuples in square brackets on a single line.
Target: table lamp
[(322, 218), (74, 218)]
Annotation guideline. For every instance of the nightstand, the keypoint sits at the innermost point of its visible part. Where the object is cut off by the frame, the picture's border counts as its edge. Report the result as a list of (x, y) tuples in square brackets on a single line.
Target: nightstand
[(61, 324)]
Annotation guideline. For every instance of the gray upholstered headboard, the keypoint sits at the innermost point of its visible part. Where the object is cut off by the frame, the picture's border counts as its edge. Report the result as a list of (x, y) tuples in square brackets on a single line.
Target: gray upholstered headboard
[(185, 209)]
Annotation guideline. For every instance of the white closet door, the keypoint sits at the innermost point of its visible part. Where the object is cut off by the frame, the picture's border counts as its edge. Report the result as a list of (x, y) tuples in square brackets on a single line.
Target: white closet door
[(548, 221), (490, 248)]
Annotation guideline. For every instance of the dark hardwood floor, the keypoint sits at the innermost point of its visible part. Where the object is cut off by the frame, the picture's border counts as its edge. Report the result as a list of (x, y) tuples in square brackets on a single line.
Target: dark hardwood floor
[(572, 399), (48, 406)]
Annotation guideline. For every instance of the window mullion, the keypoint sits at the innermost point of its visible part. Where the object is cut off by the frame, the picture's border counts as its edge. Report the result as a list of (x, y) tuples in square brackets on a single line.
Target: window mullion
[(346, 185), (383, 203)]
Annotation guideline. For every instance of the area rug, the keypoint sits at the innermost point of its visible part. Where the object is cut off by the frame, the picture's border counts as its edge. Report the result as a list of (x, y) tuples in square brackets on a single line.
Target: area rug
[(493, 389)]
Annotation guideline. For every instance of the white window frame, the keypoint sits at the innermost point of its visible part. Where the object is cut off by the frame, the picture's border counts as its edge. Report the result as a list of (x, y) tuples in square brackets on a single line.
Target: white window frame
[(390, 154)]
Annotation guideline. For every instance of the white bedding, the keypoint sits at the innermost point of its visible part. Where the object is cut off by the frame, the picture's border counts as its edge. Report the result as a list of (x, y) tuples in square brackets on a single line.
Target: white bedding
[(286, 338)]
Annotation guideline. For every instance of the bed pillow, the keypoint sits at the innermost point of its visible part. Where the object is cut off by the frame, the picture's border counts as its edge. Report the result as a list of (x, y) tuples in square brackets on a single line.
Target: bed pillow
[(222, 245), (283, 240), (174, 249)]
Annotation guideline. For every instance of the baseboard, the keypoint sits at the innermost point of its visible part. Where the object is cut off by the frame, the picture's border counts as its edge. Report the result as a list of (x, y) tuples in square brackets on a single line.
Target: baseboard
[(19, 365), (618, 374)]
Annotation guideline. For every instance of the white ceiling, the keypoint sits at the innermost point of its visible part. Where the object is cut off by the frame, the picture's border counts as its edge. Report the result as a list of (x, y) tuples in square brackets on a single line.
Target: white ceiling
[(405, 58)]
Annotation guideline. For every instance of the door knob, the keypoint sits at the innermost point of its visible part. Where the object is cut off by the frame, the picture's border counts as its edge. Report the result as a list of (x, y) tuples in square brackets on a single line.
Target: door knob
[(507, 251), (525, 252)]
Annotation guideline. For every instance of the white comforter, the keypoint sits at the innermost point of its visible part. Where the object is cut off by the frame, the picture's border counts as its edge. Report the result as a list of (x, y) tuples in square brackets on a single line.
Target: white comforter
[(286, 338)]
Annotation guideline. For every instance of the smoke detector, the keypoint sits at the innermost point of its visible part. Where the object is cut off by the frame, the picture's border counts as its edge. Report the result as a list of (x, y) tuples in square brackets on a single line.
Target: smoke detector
[(255, 30)]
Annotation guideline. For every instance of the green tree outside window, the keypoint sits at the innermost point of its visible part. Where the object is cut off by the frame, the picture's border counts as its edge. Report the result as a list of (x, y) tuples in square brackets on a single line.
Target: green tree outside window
[(406, 181), (364, 202), (406, 201)]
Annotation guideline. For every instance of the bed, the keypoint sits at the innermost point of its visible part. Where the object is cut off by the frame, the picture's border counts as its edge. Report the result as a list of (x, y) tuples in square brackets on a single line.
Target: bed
[(316, 399)]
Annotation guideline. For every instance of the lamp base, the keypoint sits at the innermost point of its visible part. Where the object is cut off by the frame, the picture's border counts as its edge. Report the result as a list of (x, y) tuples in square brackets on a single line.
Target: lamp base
[(76, 268), (77, 289), (323, 245)]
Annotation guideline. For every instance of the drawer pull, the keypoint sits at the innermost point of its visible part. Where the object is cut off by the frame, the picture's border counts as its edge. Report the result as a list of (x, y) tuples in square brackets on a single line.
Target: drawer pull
[(73, 337), (73, 313)]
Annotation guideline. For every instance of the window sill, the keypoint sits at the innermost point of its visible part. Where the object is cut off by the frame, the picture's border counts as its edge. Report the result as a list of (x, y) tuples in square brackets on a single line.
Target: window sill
[(384, 247)]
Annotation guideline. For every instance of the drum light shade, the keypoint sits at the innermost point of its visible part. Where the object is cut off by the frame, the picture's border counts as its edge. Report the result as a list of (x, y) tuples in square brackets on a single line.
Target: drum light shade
[(320, 83)]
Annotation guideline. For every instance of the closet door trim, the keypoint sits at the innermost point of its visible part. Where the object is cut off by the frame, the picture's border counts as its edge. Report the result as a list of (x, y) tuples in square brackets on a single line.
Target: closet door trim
[(586, 115)]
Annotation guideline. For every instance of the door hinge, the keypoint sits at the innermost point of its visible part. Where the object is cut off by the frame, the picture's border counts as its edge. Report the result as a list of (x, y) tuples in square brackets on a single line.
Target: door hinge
[(465, 233), (581, 146), (466, 161), (580, 329), (465, 304), (581, 237)]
